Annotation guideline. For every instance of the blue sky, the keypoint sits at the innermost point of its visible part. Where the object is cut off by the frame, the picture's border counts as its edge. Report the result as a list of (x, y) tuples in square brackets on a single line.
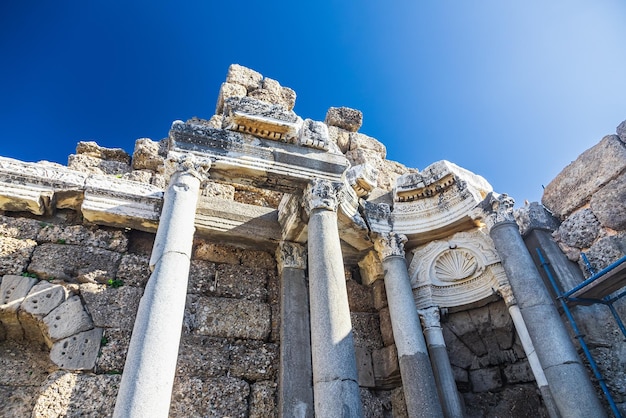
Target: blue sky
[(511, 90)]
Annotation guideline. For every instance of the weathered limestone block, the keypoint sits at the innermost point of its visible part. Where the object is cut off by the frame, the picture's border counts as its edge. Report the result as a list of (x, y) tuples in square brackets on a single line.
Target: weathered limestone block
[(80, 235), (202, 356), (17, 401), (228, 318), (398, 404), (460, 355), (218, 190), (77, 394), (258, 259), (535, 216), (217, 253), (241, 282), (518, 401), (577, 182), (202, 278), (67, 319), (114, 345), (371, 270), (376, 403), (13, 291), (74, 263), (344, 118), (502, 325), (254, 360), (621, 131), (484, 380), (213, 397), (255, 196), (518, 372), (228, 90), (386, 330), (139, 176), (92, 149), (579, 230), (386, 367), (147, 155), (20, 228), (40, 301), (15, 254), (364, 142), (263, 399), (609, 204), (366, 330), (243, 76), (78, 352), (315, 135), (360, 297), (339, 136), (364, 367), (87, 164), (272, 92), (379, 293), (110, 307), (603, 252), (134, 270)]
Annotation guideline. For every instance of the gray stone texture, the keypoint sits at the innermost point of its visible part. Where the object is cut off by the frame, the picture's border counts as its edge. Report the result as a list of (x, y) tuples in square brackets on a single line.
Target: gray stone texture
[(243, 76), (228, 318), (216, 253), (15, 254), (74, 263), (263, 399), (535, 216), (111, 307), (366, 330), (108, 239), (228, 90), (93, 165), (147, 155), (579, 230), (254, 360), (386, 367), (201, 356), (621, 131), (210, 397), (13, 290), (484, 380), (20, 228), (344, 118), (609, 204), (134, 270), (77, 352), (520, 401), (360, 298), (518, 373), (386, 330), (419, 393), (67, 319), (604, 251), (254, 107), (577, 182), (43, 298), (364, 367), (113, 348)]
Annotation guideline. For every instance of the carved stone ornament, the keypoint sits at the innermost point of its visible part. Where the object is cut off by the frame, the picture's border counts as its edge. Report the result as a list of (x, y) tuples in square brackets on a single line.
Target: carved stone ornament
[(291, 255), (363, 178), (460, 271), (507, 294), (390, 244), (321, 194), (187, 163), (495, 209), (431, 318)]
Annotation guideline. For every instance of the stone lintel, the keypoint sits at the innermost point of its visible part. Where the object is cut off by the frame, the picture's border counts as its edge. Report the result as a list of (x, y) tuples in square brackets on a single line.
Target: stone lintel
[(259, 162), (436, 202)]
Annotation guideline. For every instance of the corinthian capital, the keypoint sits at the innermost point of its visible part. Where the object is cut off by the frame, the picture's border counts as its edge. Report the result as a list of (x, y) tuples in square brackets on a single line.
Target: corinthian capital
[(291, 255), (495, 209), (430, 317), (390, 244), (322, 194)]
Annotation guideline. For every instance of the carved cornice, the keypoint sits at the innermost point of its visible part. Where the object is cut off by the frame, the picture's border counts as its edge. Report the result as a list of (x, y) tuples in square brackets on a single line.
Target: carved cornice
[(322, 194), (431, 318), (363, 178), (495, 209), (291, 255), (390, 244)]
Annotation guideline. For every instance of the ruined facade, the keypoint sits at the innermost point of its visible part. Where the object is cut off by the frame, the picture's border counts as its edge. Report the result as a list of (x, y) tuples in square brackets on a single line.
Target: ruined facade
[(256, 264)]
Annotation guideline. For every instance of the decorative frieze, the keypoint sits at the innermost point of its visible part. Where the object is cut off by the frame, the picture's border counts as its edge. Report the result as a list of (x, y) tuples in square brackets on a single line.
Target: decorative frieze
[(291, 255)]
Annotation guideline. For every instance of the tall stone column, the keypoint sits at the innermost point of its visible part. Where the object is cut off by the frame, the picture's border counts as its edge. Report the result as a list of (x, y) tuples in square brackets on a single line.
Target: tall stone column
[(295, 398), (444, 377), (569, 382), (522, 332), (418, 381), (335, 380), (146, 386)]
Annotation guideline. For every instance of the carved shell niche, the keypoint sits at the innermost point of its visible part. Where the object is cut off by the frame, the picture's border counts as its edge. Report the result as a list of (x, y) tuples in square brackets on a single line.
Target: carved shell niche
[(454, 265)]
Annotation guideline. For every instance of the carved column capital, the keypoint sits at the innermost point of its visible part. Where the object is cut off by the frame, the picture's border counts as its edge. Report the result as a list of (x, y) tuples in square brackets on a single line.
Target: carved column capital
[(507, 294), (291, 255), (431, 318), (390, 244), (188, 164), (495, 209), (321, 194)]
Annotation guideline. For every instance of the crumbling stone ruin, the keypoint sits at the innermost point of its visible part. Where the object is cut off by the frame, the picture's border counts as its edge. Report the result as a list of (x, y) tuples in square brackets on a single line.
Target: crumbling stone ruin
[(255, 264)]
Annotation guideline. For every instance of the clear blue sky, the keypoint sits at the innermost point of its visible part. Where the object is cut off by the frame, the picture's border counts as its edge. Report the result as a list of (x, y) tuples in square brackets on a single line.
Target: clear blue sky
[(511, 90)]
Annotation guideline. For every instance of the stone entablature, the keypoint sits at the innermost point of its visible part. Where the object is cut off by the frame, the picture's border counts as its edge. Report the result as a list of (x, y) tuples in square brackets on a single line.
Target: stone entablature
[(459, 272)]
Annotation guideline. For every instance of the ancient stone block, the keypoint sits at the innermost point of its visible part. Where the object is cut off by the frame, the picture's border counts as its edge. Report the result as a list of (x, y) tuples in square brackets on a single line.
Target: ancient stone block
[(92, 149), (609, 204), (272, 92), (243, 76), (535, 216), (113, 348), (366, 330), (65, 394), (213, 397), (484, 380), (502, 325), (77, 352), (67, 319), (364, 367), (88, 164), (518, 401), (254, 360), (228, 90), (579, 230), (218, 190), (15, 254), (376, 403), (379, 293), (113, 240), (140, 176), (134, 270), (344, 118), (360, 297), (202, 356), (228, 318), (577, 182), (202, 278), (263, 399), (13, 291), (20, 228), (314, 134), (261, 119), (461, 325), (17, 401), (603, 252), (147, 155), (74, 263), (241, 282), (386, 366), (621, 131), (371, 270), (111, 307), (364, 142), (398, 404), (258, 197), (339, 136), (518, 372), (458, 353), (386, 330)]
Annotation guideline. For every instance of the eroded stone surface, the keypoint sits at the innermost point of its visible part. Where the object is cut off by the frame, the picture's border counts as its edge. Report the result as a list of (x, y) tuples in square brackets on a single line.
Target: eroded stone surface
[(344, 118), (263, 400), (243, 76), (88, 164), (20, 228), (254, 360), (92, 149), (15, 254), (67, 319), (579, 230), (147, 155), (201, 356), (603, 252), (609, 204), (113, 348), (134, 270), (113, 240), (366, 330), (111, 307), (77, 352), (520, 401), (211, 398)]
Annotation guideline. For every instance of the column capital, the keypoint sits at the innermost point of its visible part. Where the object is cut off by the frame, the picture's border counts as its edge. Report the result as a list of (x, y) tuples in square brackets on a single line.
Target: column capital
[(188, 164), (431, 317), (390, 244), (291, 255), (506, 292), (321, 194), (495, 209)]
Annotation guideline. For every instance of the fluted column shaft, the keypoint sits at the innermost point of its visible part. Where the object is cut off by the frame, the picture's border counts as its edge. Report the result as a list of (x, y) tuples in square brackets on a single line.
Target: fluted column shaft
[(418, 381), (335, 380)]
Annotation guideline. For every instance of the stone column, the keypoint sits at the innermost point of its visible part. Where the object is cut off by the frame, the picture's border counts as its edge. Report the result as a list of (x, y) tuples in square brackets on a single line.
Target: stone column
[(335, 380), (146, 386), (522, 332), (569, 382), (418, 381), (444, 377), (295, 398)]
